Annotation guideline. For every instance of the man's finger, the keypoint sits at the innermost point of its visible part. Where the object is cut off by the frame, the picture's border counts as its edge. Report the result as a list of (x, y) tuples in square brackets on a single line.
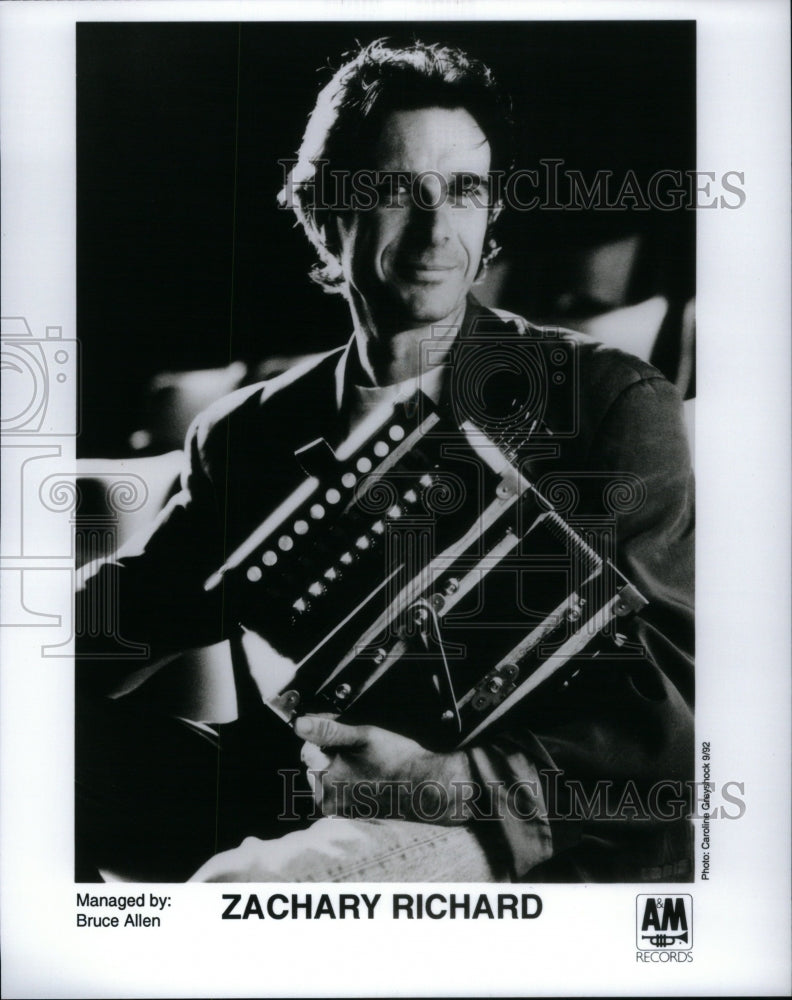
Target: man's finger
[(314, 758), (327, 733)]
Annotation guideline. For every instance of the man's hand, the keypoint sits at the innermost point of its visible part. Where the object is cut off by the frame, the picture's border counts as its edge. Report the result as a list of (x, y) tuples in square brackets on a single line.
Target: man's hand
[(368, 772)]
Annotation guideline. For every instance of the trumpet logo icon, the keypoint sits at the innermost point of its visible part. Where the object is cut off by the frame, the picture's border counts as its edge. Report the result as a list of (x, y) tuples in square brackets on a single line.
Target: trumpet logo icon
[(664, 923)]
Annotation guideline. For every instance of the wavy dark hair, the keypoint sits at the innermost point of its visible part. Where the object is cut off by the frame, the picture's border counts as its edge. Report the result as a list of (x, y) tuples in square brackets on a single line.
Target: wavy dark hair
[(346, 121)]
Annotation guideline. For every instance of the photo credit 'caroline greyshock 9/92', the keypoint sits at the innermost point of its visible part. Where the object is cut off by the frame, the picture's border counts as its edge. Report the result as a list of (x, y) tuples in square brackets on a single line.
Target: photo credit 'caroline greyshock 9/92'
[(417, 600)]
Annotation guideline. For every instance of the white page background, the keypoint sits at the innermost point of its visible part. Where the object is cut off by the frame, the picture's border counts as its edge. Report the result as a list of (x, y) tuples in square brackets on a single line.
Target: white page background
[(584, 941)]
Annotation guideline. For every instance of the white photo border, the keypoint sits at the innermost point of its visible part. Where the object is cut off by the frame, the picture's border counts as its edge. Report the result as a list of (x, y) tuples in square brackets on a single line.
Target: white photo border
[(584, 941)]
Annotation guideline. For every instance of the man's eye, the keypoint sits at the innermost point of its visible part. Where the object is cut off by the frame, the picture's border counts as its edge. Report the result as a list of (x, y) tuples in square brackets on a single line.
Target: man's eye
[(470, 190), (392, 194)]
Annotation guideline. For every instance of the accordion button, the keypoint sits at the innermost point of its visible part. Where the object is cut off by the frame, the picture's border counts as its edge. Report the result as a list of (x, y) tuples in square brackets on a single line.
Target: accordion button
[(300, 527), (363, 543), (347, 559), (285, 543), (411, 497), (378, 527), (364, 465), (396, 433), (381, 449), (269, 558), (254, 574), (317, 512), (332, 496), (348, 480), (317, 589)]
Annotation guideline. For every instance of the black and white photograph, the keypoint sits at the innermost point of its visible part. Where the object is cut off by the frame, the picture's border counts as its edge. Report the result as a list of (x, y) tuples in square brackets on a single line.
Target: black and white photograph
[(355, 450), (464, 529)]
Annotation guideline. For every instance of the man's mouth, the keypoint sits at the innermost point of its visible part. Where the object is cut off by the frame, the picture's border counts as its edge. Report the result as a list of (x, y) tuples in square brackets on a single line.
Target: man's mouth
[(426, 270)]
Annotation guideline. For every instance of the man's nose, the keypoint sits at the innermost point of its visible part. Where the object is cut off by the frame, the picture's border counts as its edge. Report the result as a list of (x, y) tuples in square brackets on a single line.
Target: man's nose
[(432, 208), (432, 190)]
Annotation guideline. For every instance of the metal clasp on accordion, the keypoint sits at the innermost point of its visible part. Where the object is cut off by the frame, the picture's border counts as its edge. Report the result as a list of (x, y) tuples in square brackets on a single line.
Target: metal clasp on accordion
[(419, 581)]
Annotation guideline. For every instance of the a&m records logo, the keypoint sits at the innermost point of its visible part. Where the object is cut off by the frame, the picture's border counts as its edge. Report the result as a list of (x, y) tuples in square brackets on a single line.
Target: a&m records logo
[(664, 924)]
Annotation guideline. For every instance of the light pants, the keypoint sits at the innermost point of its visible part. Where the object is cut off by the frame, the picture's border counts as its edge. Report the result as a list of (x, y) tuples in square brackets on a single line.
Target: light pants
[(336, 849)]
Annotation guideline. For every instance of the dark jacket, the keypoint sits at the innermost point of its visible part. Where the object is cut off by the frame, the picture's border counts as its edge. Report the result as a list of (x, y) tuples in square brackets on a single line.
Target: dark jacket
[(615, 746)]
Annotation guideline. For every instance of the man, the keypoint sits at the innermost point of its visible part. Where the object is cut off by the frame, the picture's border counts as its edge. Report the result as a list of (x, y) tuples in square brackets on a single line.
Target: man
[(421, 134)]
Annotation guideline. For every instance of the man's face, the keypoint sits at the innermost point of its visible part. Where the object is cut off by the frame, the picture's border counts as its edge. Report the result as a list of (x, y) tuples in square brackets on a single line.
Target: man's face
[(413, 257)]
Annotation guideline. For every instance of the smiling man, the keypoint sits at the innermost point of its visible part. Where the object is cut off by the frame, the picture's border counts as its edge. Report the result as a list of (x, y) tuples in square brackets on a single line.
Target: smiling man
[(413, 138), (411, 260)]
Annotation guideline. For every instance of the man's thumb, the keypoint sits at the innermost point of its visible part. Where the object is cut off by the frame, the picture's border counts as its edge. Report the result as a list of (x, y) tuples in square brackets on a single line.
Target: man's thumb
[(327, 733)]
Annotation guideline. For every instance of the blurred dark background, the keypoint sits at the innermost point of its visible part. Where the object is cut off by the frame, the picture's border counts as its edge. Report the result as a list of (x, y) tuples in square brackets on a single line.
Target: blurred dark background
[(191, 280)]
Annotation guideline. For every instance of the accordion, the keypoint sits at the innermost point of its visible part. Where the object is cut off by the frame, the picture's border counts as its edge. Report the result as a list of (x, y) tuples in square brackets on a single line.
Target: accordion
[(420, 581)]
